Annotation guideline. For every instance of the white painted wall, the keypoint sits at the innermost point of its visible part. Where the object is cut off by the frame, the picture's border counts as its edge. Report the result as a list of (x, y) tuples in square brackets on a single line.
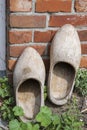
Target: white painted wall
[(2, 36)]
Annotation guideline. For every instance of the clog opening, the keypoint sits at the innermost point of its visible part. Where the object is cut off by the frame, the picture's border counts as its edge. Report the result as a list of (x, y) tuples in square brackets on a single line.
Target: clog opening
[(62, 80), (29, 98)]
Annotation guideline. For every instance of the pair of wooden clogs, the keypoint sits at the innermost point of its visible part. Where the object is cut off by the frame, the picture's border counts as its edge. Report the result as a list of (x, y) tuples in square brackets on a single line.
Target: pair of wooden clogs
[(29, 73)]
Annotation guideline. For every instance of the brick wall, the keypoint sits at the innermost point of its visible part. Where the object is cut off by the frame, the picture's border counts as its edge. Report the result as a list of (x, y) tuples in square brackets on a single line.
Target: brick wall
[(34, 23)]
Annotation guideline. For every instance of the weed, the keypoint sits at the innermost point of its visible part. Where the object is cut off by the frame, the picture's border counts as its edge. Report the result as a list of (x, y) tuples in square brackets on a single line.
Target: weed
[(45, 119), (7, 99), (81, 82)]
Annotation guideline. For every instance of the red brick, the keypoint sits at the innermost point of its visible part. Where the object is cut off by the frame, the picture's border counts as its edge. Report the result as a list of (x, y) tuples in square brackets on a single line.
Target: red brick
[(84, 48), (20, 5), (83, 63), (27, 21), (83, 35), (60, 20), (11, 64), (43, 36), (53, 5), (16, 51), (47, 36), (20, 36), (81, 5)]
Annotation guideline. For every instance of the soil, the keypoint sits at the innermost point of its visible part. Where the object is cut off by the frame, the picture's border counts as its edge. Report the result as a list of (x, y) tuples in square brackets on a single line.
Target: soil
[(61, 109)]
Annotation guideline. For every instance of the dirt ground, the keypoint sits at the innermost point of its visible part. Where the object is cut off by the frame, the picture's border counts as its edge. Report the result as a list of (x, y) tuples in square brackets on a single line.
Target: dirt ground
[(61, 109)]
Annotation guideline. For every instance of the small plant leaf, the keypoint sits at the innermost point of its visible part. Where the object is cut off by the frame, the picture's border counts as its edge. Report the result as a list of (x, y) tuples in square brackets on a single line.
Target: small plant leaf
[(14, 125), (44, 116), (36, 127), (81, 82), (29, 126), (46, 110), (18, 111), (56, 120), (23, 126), (44, 119)]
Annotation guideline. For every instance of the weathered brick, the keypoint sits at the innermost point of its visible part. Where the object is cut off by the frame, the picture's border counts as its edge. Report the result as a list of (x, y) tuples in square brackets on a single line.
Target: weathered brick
[(16, 51), (11, 64), (53, 5), (20, 5), (83, 63), (47, 36), (81, 5), (43, 36), (84, 48), (83, 35), (60, 20), (27, 21), (16, 36)]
